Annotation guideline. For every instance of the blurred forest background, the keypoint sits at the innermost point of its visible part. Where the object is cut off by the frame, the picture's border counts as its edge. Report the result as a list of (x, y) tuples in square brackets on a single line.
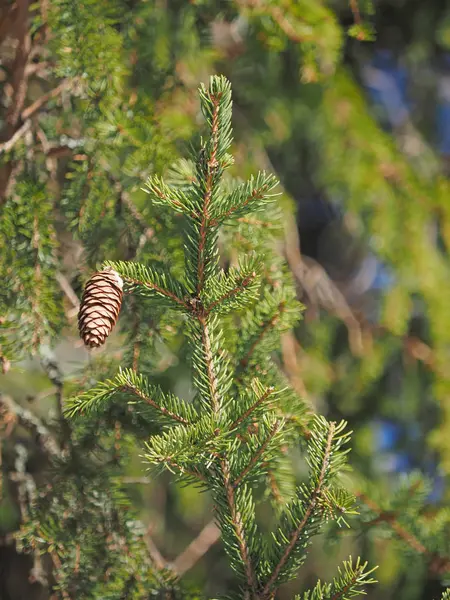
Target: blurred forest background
[(348, 103)]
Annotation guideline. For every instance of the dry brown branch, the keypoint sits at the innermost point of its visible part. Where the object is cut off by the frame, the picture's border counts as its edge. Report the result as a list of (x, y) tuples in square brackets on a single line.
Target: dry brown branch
[(19, 89), (355, 10), (18, 134), (207, 537), (289, 349), (156, 556), (320, 289), (68, 290), (33, 424), (42, 100)]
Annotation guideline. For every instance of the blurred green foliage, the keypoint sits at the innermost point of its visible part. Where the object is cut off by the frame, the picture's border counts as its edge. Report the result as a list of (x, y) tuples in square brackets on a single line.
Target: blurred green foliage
[(125, 107)]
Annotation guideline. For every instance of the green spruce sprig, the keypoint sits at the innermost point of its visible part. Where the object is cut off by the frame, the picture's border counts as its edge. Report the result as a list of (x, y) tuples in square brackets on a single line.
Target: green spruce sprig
[(234, 435)]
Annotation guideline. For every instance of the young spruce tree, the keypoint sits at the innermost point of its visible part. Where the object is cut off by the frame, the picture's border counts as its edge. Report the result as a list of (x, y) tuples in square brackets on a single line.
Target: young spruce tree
[(235, 432)]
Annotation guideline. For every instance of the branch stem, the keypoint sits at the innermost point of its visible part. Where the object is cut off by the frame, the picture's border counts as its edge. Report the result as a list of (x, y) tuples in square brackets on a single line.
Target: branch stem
[(238, 526)]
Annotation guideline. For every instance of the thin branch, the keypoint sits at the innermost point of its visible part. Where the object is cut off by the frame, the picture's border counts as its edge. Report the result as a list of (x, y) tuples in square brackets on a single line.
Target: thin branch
[(17, 135), (257, 454), (208, 536), (68, 290), (19, 79), (355, 10), (309, 511), (155, 405), (236, 519), (289, 346), (275, 488), (437, 564), (156, 556), (127, 201), (319, 288), (26, 494), (136, 480), (9, 171), (340, 594)]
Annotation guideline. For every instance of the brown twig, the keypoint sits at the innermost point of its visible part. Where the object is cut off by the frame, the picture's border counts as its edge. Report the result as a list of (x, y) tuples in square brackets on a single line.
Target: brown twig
[(289, 347), (308, 512), (68, 290), (39, 103), (19, 87), (156, 556), (356, 12), (127, 201), (207, 537), (275, 488), (17, 135), (135, 480)]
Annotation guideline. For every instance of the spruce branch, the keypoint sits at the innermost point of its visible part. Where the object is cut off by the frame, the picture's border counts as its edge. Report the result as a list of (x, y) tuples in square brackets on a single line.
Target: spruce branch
[(166, 195), (262, 401), (208, 191), (150, 282), (437, 564), (212, 379), (302, 518), (235, 290), (236, 432), (259, 453), (238, 527), (249, 197), (167, 407), (350, 582)]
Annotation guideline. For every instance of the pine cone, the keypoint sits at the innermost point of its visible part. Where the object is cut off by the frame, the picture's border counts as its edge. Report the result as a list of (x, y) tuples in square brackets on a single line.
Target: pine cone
[(100, 307)]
